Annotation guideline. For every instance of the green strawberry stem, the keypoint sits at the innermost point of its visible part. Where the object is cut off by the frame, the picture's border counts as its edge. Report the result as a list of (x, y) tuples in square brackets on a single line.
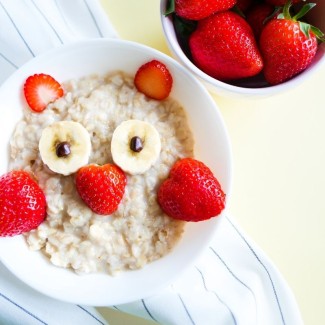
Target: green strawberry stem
[(238, 11), (170, 7), (304, 27), (303, 11), (183, 29), (275, 12)]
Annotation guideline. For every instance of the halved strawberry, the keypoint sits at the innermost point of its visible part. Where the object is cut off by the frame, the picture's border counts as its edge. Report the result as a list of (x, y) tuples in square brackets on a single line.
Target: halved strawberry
[(40, 90), (154, 80)]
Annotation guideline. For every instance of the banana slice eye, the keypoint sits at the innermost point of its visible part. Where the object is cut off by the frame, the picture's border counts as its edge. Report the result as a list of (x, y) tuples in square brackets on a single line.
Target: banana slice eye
[(65, 146), (135, 146)]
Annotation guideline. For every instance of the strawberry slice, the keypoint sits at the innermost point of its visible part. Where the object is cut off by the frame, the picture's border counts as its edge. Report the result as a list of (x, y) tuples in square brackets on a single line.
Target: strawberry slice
[(40, 90), (154, 80)]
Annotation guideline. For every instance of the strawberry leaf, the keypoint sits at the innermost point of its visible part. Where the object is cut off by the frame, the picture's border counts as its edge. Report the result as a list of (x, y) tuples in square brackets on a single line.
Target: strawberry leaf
[(276, 12), (286, 10), (170, 7), (238, 11), (304, 10), (305, 28), (318, 33), (184, 28)]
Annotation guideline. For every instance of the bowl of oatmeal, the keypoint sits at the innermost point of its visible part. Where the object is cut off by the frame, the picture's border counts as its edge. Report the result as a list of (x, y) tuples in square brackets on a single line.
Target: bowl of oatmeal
[(75, 254)]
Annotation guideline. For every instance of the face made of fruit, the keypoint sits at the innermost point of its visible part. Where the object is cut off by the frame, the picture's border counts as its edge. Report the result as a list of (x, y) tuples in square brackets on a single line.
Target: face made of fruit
[(65, 148)]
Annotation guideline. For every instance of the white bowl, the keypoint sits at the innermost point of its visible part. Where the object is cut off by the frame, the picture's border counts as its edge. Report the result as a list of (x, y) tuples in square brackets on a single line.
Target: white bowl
[(212, 146), (315, 16)]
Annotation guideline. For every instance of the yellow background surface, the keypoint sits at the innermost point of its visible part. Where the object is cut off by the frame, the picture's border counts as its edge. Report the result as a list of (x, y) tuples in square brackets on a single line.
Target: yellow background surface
[(278, 195)]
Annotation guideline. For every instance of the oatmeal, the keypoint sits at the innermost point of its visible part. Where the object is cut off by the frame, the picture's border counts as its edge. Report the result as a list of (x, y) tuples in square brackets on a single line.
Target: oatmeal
[(72, 236)]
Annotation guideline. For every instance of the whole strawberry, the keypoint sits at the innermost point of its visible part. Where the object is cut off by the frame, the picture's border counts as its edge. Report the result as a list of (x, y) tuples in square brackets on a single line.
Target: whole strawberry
[(101, 187), (199, 9), (191, 193), (258, 15), (224, 47), (22, 203), (244, 5), (288, 46), (281, 2)]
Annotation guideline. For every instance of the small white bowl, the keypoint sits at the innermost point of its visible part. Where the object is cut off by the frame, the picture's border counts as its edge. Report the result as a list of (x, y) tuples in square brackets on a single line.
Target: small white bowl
[(211, 146), (315, 16)]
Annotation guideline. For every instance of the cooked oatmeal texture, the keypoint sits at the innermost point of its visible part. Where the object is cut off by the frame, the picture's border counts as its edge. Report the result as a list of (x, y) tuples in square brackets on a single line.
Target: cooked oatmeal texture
[(72, 236)]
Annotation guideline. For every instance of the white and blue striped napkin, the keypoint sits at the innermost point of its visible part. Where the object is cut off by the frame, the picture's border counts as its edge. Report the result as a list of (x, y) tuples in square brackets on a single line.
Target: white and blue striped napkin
[(232, 283)]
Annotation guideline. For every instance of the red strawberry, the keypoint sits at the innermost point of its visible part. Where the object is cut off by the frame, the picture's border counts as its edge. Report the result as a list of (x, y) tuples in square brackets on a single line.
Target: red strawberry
[(244, 5), (101, 187), (257, 17), (281, 2), (22, 203), (40, 90), (191, 192), (154, 80), (287, 45), (223, 46), (199, 9)]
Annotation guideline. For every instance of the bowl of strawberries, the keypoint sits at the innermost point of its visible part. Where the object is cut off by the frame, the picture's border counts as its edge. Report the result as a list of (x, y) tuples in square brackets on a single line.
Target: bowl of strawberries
[(246, 47)]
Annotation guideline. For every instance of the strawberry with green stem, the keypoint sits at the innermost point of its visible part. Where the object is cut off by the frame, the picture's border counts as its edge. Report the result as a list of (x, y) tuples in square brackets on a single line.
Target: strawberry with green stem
[(288, 45)]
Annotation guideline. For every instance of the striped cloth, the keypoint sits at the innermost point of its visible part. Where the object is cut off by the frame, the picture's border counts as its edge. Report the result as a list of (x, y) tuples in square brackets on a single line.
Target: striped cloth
[(232, 283)]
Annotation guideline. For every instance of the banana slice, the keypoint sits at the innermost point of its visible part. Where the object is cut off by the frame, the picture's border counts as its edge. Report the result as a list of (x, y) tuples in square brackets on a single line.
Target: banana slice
[(65, 147), (135, 146)]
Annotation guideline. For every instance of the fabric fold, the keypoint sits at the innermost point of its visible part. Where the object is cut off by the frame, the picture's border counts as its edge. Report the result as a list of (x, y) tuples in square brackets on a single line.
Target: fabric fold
[(28, 28)]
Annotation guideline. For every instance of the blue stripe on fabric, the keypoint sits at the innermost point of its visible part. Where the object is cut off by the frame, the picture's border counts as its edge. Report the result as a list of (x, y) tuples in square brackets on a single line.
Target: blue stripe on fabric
[(48, 22), (90, 314), (221, 301), (22, 308), (264, 267), (61, 13), (10, 62), (147, 310), (93, 18), (16, 28), (233, 274), (187, 312)]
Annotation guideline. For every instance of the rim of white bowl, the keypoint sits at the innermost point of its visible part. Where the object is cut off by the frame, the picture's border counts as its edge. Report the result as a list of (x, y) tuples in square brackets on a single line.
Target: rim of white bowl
[(165, 282)]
